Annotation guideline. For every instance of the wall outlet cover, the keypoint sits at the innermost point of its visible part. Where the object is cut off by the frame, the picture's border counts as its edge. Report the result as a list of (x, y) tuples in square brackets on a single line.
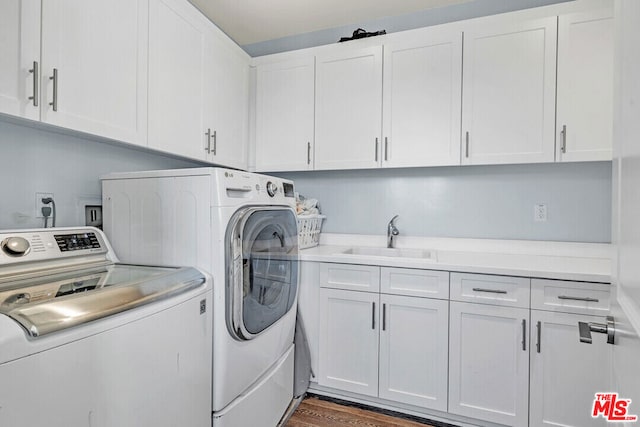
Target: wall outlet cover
[(540, 212), (93, 216), (40, 205)]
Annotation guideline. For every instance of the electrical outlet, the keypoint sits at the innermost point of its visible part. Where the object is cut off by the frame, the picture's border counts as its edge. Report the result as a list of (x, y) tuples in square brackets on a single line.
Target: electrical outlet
[(540, 212), (40, 205), (93, 216)]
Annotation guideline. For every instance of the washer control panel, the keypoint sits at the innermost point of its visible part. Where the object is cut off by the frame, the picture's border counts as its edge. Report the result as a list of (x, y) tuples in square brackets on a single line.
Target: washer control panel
[(76, 242), (19, 246)]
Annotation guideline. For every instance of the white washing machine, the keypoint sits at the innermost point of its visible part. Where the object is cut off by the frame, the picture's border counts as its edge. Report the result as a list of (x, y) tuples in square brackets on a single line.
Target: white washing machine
[(241, 227), (85, 341)]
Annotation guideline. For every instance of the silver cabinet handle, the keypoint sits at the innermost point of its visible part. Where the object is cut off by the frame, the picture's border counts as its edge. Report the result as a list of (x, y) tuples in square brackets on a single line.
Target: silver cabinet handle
[(54, 103), (609, 328), (215, 142), (587, 299), (208, 135), (376, 149), (524, 335), (36, 77), (384, 317), (563, 147), (373, 316), (491, 291), (539, 330), (386, 149), (308, 153), (466, 139)]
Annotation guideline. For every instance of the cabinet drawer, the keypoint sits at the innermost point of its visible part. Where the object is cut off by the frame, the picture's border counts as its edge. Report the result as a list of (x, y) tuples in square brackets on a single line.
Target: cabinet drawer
[(486, 289), (570, 297), (411, 282), (350, 277)]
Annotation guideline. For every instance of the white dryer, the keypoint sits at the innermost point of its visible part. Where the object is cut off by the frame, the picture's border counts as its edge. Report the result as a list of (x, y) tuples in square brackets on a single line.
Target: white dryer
[(241, 227)]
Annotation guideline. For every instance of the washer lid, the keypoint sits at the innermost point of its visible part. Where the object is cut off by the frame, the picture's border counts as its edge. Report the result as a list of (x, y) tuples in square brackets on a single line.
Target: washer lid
[(56, 302)]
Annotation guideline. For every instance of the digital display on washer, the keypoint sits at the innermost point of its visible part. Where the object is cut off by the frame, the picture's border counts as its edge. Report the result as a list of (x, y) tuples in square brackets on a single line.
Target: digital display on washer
[(288, 189), (76, 242)]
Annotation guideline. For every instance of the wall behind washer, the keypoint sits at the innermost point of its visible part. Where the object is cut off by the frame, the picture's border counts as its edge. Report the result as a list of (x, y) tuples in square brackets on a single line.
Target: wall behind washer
[(38, 160), (495, 202)]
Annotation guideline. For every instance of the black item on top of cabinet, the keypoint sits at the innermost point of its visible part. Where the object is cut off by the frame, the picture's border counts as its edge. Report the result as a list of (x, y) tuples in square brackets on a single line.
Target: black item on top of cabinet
[(360, 34)]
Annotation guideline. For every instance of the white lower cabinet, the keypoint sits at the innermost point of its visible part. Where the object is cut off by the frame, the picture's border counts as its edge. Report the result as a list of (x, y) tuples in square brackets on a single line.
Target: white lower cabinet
[(413, 355), (489, 363), (389, 346), (504, 350), (349, 341), (565, 373)]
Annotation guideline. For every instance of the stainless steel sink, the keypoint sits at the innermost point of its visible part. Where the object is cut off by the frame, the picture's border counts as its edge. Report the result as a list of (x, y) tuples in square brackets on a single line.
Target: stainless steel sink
[(425, 255)]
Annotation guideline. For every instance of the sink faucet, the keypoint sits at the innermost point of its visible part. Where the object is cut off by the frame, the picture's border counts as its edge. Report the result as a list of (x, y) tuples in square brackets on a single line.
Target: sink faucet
[(392, 232)]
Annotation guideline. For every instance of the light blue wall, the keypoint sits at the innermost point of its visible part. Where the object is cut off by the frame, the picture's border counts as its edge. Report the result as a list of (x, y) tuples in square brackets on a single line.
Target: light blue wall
[(471, 201), (494, 202), (441, 15), (37, 160)]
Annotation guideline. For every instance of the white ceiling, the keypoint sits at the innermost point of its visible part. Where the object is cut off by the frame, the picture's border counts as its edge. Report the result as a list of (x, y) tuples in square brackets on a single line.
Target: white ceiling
[(253, 21)]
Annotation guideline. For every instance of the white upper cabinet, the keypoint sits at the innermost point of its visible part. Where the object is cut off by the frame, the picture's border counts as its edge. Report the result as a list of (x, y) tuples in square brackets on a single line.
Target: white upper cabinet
[(508, 105), (94, 67), (422, 100), (348, 108), (177, 41), (19, 50), (198, 87), (227, 102), (585, 86), (284, 115)]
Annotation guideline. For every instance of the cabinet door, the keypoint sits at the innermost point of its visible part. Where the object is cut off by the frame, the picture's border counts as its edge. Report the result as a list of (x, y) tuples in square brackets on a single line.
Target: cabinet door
[(565, 373), (99, 51), (508, 106), (349, 341), (227, 101), (489, 363), (348, 109), (177, 43), (19, 49), (585, 86), (413, 351), (422, 100), (284, 115)]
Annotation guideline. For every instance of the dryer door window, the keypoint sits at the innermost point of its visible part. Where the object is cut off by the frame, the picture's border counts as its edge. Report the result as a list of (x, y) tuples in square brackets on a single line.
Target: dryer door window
[(263, 280)]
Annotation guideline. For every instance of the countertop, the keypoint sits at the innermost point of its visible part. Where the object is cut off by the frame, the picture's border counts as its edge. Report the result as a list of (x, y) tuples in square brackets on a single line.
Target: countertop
[(588, 262)]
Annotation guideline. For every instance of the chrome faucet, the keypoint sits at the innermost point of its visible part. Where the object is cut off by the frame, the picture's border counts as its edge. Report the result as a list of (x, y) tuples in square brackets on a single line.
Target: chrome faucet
[(392, 232)]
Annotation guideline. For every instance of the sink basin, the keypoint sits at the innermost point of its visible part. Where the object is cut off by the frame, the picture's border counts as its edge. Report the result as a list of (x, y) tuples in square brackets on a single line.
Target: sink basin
[(391, 252)]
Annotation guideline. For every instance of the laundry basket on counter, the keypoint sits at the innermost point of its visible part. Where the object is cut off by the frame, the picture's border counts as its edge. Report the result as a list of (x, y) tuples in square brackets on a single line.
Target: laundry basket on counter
[(309, 227)]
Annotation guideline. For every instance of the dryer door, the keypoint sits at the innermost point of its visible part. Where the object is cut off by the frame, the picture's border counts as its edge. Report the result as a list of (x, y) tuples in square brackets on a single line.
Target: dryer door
[(262, 269)]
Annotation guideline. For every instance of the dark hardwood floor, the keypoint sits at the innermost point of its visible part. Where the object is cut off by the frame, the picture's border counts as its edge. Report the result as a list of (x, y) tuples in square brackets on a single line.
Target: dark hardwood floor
[(314, 412)]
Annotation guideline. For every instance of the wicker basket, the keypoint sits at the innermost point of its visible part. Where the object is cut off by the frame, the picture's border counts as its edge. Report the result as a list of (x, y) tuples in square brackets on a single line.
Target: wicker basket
[(309, 227)]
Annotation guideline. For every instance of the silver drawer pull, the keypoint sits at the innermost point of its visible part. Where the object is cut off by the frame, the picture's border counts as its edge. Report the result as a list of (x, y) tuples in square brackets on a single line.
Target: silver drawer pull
[(54, 77), (491, 291), (36, 78), (587, 299), (373, 315)]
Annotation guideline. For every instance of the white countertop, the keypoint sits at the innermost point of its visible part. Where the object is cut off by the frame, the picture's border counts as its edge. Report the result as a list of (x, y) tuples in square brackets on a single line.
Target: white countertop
[(588, 262)]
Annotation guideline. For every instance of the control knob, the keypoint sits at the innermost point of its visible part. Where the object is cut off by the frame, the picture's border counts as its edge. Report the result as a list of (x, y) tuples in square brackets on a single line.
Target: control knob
[(272, 189), (15, 246)]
